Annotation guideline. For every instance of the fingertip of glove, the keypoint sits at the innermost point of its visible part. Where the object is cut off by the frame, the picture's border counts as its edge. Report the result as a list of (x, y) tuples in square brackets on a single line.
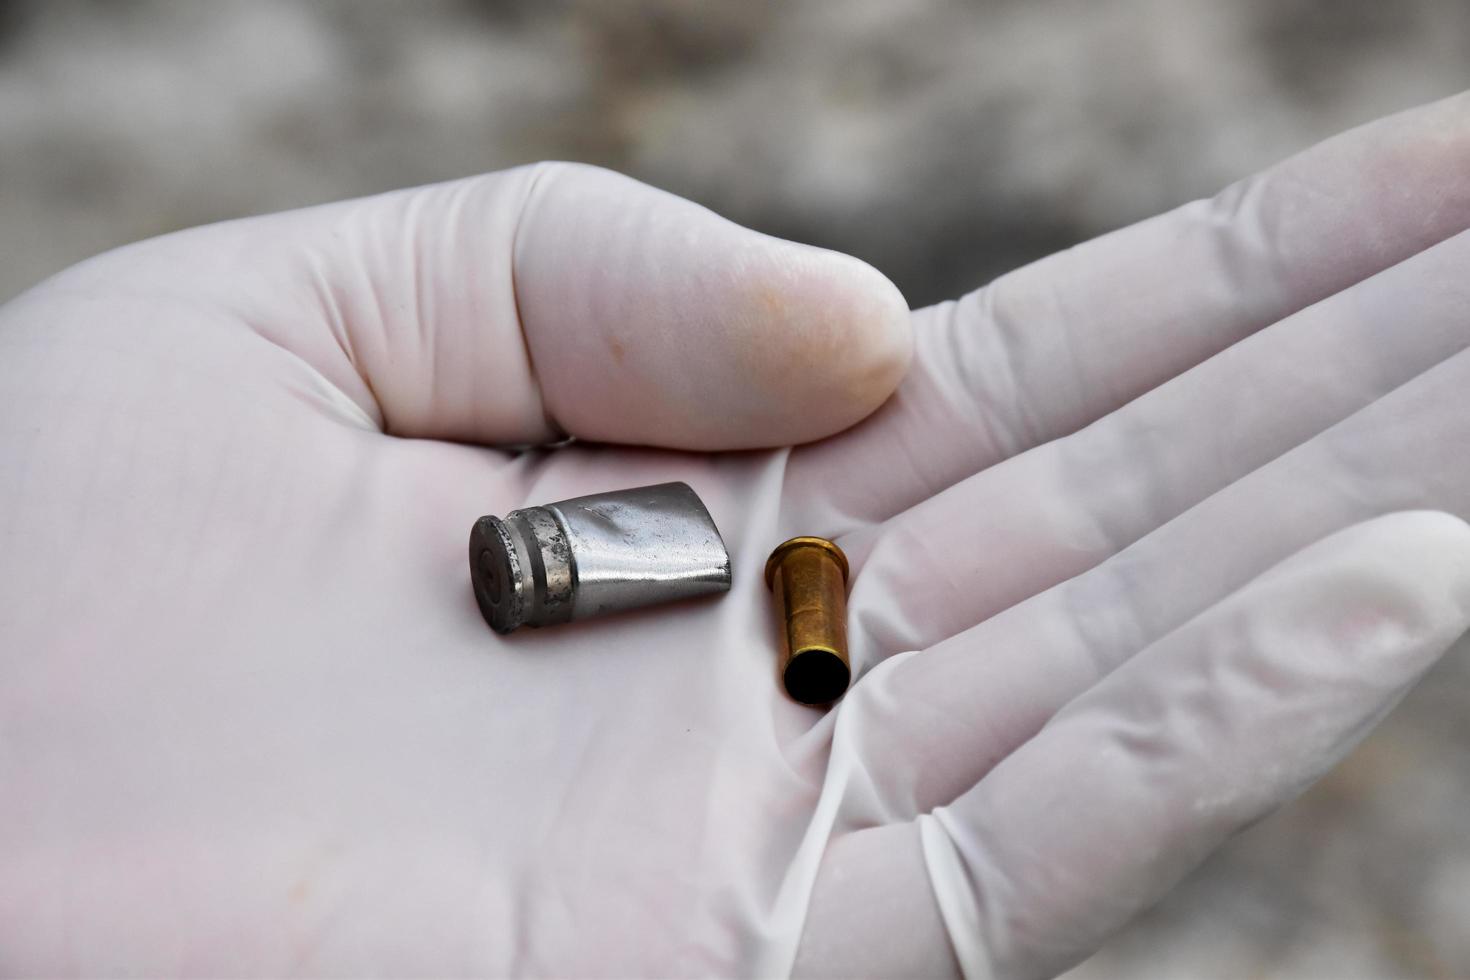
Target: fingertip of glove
[(1432, 545), (653, 320), (833, 343), (1409, 570), (1440, 546)]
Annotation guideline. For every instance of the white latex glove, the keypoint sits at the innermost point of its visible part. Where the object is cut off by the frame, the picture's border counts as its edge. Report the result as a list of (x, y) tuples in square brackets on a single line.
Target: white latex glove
[(1123, 579)]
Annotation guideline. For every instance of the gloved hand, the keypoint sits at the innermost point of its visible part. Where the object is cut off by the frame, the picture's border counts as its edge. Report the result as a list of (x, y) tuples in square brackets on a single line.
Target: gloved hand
[(1128, 572)]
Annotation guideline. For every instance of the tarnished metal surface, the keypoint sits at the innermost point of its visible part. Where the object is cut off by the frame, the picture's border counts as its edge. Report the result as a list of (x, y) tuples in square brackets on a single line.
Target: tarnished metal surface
[(593, 555), (808, 580)]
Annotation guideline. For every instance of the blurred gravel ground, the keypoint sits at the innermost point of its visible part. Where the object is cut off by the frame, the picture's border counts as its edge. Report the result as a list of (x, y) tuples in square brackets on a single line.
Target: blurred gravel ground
[(943, 141)]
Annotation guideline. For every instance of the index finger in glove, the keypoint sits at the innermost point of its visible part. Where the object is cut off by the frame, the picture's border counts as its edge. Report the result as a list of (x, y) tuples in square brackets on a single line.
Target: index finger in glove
[(1048, 349)]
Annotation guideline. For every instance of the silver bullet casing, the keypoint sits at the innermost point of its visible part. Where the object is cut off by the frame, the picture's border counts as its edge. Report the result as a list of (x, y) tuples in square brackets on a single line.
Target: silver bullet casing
[(588, 556)]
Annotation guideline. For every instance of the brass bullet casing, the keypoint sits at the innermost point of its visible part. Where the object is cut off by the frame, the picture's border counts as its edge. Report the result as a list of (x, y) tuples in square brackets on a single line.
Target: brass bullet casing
[(808, 579)]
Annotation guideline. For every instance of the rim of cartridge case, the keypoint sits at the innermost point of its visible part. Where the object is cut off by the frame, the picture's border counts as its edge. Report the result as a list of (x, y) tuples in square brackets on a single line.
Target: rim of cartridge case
[(796, 544), (509, 611)]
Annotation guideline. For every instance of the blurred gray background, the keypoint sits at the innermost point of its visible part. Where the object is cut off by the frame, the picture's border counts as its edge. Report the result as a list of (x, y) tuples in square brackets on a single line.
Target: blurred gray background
[(943, 141)]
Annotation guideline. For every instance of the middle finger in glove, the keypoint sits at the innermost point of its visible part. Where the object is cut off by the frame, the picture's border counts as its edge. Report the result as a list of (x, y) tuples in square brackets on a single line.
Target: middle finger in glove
[(990, 688)]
